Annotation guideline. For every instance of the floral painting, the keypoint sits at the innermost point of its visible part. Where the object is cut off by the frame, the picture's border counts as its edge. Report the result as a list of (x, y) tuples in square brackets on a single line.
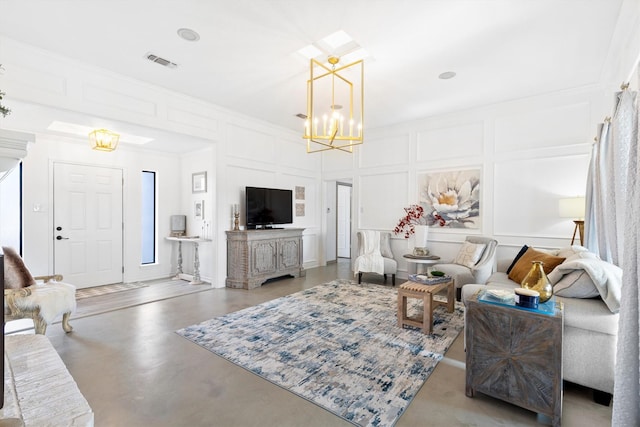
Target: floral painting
[(451, 198)]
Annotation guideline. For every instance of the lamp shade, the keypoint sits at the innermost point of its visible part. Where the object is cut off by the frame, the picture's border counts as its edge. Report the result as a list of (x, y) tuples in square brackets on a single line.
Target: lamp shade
[(572, 207)]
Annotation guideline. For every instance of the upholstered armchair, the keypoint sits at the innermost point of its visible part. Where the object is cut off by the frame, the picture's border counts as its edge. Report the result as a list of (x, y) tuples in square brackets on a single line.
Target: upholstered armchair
[(42, 298), (374, 255), (474, 263)]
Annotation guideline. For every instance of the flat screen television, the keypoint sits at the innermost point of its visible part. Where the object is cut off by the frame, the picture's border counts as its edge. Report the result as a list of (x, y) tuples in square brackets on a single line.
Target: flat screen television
[(268, 206)]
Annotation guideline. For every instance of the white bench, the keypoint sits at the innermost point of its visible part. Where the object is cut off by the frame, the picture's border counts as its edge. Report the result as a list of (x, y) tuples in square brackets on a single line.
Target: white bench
[(38, 388)]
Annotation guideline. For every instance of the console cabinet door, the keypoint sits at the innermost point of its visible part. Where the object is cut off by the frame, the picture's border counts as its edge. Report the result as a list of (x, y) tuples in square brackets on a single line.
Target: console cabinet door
[(289, 253), (264, 257)]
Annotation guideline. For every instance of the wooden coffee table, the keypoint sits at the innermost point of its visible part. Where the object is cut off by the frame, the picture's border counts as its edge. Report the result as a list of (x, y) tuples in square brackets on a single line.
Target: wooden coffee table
[(411, 289)]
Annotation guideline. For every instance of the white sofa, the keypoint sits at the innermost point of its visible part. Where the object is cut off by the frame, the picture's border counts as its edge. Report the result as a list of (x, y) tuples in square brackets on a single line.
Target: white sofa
[(590, 334)]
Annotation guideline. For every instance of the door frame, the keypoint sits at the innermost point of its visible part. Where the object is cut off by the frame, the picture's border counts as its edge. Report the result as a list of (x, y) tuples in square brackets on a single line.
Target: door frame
[(338, 185), (51, 216)]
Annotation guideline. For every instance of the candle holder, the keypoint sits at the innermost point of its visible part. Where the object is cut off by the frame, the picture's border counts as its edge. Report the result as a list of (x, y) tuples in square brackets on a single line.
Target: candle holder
[(236, 221)]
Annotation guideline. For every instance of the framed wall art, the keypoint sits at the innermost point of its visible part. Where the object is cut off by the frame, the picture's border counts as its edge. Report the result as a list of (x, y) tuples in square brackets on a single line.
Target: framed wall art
[(198, 209), (451, 199), (199, 182)]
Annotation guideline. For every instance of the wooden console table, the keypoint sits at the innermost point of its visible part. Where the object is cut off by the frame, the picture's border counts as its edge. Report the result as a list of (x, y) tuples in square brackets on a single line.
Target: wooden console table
[(515, 355), (254, 256), (195, 278)]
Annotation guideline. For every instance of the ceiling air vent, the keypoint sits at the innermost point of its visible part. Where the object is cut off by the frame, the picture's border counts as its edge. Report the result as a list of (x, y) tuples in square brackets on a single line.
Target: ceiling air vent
[(158, 60)]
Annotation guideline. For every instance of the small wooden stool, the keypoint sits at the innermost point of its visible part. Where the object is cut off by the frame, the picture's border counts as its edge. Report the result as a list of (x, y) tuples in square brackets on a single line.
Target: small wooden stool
[(425, 292)]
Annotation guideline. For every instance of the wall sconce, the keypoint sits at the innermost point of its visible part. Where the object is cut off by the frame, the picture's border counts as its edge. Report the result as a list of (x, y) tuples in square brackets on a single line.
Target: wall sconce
[(574, 207), (103, 140)]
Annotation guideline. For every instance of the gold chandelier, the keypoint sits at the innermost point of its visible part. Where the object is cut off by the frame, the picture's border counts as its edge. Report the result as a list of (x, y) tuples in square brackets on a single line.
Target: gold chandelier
[(103, 140), (330, 91)]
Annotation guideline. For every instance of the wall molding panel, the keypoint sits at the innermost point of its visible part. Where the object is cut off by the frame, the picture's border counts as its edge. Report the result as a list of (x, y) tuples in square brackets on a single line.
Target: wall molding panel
[(450, 142)]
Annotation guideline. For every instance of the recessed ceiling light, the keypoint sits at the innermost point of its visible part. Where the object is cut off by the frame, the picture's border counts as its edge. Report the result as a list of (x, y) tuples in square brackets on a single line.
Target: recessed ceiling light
[(447, 75), (188, 34)]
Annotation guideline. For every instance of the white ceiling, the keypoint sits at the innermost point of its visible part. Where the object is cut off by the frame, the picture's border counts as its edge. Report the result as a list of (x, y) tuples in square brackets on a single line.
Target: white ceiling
[(246, 57)]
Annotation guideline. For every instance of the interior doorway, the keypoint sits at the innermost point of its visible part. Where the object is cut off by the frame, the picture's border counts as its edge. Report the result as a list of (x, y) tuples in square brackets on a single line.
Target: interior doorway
[(343, 218)]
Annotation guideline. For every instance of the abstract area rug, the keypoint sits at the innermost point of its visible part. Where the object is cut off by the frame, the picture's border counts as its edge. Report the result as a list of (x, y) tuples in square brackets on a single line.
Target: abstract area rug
[(337, 345)]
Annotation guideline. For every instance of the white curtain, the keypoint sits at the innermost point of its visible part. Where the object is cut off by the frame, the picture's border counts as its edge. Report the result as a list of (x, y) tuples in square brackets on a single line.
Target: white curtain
[(626, 400), (606, 196), (598, 188)]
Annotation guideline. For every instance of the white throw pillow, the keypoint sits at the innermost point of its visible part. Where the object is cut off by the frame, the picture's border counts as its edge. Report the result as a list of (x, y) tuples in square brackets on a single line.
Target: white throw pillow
[(470, 254)]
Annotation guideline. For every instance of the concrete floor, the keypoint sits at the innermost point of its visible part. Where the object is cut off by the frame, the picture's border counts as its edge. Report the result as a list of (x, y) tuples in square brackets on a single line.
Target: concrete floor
[(135, 371)]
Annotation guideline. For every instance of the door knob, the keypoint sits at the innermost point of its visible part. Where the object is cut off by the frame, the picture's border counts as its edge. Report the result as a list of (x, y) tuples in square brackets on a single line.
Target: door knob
[(61, 238), (59, 228)]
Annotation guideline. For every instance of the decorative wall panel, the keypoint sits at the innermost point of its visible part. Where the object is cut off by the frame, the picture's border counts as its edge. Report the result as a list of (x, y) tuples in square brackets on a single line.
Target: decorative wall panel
[(293, 154), (190, 118), (465, 140), (552, 127), (527, 193), (37, 80), (251, 144), (379, 195), (121, 101), (385, 151)]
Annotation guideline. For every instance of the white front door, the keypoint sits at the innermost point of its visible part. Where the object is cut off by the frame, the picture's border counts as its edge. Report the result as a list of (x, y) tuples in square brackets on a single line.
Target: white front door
[(87, 223), (344, 221)]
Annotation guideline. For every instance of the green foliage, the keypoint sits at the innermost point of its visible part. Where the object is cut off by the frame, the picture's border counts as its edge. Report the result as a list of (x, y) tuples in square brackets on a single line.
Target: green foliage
[(3, 110)]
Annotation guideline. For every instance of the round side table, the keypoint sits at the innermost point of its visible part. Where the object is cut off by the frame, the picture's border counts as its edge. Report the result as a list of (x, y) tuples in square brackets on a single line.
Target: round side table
[(418, 261)]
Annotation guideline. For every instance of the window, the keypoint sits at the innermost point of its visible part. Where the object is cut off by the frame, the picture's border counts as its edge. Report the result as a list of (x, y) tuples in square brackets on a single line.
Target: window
[(148, 209)]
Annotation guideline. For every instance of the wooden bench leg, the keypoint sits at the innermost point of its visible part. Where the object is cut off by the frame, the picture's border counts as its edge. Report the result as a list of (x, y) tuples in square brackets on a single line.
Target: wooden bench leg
[(402, 309), (65, 322), (427, 318), (451, 293)]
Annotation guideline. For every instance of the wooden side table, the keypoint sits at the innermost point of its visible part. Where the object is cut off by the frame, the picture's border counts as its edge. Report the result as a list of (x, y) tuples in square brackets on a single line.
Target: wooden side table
[(425, 293), (515, 355), (418, 261)]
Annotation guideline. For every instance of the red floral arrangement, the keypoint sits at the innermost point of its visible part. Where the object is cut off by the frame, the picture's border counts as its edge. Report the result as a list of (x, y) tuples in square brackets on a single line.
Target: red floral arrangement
[(413, 217)]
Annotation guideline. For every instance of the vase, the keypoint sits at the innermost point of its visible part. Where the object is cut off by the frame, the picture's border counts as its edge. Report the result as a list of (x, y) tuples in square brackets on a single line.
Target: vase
[(537, 280), (421, 233)]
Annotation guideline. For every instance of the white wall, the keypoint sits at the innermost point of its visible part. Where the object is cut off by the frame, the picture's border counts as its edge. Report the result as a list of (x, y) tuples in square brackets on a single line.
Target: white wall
[(242, 151), (531, 153), (196, 162), (38, 191), (259, 157)]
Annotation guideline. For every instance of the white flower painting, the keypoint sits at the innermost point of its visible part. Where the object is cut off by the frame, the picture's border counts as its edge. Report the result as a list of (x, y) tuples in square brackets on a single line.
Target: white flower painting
[(451, 199)]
